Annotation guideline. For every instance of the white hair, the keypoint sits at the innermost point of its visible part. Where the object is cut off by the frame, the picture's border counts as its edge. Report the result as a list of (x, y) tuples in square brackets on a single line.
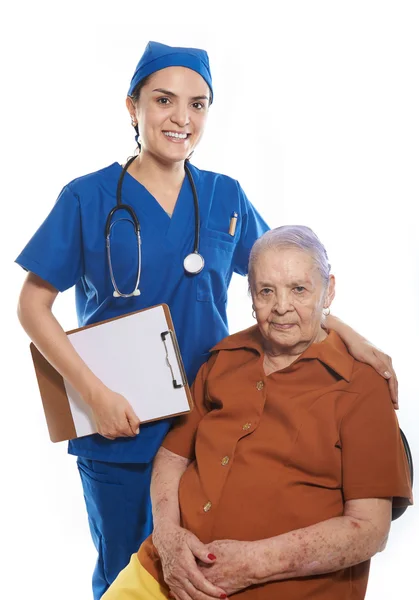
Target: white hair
[(292, 236)]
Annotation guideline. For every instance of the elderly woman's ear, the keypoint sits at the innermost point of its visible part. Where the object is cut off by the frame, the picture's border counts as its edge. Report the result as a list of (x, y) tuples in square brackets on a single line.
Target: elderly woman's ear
[(330, 293)]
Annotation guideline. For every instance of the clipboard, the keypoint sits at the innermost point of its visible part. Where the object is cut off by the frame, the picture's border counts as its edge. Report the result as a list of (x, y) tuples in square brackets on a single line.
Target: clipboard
[(136, 355)]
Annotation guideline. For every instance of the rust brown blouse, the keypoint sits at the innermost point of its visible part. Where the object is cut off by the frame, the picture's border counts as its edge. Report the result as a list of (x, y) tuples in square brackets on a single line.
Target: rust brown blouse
[(276, 453)]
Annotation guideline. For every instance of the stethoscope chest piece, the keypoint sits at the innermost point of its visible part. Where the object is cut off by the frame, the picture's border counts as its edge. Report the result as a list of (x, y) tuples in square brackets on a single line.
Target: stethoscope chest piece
[(193, 263)]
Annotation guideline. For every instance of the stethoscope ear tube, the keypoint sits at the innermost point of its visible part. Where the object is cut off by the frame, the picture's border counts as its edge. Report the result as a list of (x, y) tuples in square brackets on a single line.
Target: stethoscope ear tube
[(121, 179), (196, 206), (119, 204), (115, 209), (194, 262), (108, 226)]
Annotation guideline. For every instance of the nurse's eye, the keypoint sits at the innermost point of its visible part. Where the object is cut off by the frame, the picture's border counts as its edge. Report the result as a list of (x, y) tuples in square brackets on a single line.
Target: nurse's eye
[(163, 101), (198, 105)]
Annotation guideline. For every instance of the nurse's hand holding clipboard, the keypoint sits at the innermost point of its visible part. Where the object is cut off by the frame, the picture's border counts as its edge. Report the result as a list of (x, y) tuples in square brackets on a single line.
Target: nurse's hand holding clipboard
[(113, 414)]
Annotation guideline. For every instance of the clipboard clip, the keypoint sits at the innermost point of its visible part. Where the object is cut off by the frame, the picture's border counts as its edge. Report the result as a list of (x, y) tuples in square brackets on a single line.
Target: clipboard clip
[(163, 336)]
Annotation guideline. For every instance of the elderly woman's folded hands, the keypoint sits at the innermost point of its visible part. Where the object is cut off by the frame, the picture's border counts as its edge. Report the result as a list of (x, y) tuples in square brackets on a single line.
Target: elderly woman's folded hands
[(236, 566), (179, 551)]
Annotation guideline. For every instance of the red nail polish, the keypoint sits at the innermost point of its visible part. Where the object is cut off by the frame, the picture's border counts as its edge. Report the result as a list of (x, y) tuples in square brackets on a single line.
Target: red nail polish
[(212, 557), (223, 596)]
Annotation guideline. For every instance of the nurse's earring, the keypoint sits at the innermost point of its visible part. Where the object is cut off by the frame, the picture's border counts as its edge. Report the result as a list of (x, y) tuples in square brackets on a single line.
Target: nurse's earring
[(134, 123)]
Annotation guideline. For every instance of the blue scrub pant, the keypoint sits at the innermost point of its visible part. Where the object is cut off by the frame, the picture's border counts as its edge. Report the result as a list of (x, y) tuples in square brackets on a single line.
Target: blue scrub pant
[(119, 509)]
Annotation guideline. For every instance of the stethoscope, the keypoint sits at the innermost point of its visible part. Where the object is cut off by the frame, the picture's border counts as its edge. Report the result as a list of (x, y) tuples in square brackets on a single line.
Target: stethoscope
[(193, 262)]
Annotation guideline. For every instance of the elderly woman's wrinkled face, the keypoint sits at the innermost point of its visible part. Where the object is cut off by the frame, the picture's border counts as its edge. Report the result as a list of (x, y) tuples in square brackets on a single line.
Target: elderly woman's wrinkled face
[(289, 296)]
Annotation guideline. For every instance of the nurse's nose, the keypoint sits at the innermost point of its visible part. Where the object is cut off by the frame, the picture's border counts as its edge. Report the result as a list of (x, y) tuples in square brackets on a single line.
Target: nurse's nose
[(180, 115)]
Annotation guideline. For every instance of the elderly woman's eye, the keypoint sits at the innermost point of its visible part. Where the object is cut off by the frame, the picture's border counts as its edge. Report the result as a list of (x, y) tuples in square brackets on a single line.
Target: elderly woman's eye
[(265, 291), (299, 289)]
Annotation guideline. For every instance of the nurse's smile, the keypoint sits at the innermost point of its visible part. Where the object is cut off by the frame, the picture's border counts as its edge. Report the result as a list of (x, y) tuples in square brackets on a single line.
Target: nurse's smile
[(176, 137)]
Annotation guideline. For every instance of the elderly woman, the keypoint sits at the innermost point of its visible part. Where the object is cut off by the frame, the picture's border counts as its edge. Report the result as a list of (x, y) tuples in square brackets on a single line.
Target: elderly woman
[(280, 483)]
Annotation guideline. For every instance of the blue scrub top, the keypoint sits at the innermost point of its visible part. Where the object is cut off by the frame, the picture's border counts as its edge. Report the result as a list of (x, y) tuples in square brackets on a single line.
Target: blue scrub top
[(69, 249)]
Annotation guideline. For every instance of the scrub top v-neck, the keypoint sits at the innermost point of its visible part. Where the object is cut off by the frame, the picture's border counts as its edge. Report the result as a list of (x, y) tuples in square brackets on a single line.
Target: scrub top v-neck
[(69, 250), (149, 208)]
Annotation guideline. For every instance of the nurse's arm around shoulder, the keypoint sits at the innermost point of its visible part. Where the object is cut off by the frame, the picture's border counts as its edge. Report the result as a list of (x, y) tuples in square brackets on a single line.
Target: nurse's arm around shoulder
[(113, 414), (366, 352)]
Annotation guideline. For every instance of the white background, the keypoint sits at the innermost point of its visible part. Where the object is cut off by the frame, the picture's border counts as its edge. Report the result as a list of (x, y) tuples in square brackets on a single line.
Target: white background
[(315, 113)]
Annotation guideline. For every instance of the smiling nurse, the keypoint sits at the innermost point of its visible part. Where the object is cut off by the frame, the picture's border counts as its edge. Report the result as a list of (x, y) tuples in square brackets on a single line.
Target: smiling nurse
[(168, 101)]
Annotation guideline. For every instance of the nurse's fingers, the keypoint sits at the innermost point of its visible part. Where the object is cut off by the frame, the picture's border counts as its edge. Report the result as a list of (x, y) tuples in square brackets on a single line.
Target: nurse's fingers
[(393, 384), (133, 421), (394, 391), (383, 364)]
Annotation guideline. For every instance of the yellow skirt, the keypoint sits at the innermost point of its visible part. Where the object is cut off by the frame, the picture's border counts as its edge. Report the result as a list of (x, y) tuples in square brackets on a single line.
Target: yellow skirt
[(135, 583)]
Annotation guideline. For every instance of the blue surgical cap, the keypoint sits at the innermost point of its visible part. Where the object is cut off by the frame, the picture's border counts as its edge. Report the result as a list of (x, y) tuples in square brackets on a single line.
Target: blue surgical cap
[(159, 56)]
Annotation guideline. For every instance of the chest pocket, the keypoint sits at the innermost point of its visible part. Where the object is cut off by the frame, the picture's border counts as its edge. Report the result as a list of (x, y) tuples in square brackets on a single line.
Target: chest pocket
[(217, 248), (316, 453)]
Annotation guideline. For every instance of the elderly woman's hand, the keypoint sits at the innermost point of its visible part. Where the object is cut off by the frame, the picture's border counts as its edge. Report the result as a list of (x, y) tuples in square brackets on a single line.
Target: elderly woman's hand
[(235, 567), (179, 550)]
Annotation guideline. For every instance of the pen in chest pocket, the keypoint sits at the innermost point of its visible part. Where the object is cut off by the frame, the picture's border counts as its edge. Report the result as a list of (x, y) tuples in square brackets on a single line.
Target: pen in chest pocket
[(233, 223)]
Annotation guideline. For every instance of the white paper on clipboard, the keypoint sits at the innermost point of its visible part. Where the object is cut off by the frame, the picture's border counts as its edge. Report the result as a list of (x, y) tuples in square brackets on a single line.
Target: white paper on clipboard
[(129, 356)]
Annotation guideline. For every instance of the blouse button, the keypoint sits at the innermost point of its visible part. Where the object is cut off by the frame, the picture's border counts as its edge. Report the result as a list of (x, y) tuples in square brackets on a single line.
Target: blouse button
[(225, 461), (207, 506), (259, 385), (247, 426)]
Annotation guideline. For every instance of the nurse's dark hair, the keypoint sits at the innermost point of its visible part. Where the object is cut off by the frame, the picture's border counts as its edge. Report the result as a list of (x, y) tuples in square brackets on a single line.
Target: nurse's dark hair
[(291, 236), (135, 96)]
